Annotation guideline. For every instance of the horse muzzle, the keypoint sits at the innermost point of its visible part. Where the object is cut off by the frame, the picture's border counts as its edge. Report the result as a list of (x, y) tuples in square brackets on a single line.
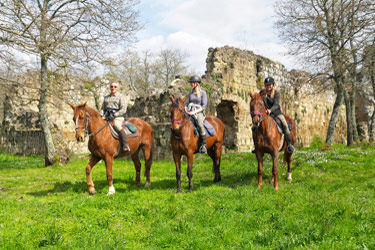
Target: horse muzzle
[(80, 138)]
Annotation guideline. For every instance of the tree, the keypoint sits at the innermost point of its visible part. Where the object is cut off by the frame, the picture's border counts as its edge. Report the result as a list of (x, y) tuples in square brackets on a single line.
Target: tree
[(65, 33), (170, 63), (324, 33)]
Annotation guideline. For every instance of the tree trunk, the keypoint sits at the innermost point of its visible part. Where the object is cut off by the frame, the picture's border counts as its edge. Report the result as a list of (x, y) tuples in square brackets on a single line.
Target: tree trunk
[(353, 116), (49, 158), (372, 122), (334, 115), (349, 124)]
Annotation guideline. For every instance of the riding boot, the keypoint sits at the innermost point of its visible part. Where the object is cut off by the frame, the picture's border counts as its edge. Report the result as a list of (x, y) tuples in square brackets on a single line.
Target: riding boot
[(124, 141), (203, 148), (288, 140)]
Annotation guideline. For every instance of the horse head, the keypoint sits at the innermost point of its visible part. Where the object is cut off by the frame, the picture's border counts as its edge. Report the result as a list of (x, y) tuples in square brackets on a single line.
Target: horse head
[(177, 112), (80, 119), (257, 108)]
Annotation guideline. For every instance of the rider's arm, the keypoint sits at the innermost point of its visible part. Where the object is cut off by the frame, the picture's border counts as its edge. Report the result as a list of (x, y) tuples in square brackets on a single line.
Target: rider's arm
[(122, 107), (276, 103)]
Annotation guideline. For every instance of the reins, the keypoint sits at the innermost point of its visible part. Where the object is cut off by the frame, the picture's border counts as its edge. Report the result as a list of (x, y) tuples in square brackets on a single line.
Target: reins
[(179, 121), (87, 119)]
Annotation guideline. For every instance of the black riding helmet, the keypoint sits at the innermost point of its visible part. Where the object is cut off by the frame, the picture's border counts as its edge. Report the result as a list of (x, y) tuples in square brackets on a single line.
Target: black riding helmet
[(269, 80), (195, 78)]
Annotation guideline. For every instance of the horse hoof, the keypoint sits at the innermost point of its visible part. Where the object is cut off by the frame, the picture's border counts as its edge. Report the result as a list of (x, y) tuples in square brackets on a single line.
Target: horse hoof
[(289, 177), (111, 191), (259, 186), (92, 192), (148, 184), (276, 188)]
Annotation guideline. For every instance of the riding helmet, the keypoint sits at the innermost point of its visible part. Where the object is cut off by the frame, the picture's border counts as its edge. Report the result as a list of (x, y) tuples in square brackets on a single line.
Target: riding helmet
[(195, 78), (269, 80)]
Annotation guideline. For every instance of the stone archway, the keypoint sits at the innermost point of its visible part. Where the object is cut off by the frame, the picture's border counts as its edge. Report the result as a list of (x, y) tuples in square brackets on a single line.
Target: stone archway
[(226, 111)]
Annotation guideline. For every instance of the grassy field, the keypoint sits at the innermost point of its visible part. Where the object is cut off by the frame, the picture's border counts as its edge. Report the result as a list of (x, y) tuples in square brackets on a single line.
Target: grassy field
[(330, 204)]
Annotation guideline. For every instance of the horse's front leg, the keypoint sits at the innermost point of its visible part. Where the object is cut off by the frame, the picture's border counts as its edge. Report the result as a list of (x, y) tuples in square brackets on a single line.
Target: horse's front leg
[(260, 168), (190, 159), (90, 183), (177, 162), (108, 167), (275, 171)]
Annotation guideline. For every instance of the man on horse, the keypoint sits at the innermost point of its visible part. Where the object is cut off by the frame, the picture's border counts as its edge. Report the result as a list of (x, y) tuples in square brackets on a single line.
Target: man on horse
[(271, 101), (195, 106), (114, 109)]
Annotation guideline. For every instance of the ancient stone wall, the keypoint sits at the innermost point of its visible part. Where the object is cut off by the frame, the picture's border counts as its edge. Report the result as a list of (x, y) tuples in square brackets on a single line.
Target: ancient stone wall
[(231, 74)]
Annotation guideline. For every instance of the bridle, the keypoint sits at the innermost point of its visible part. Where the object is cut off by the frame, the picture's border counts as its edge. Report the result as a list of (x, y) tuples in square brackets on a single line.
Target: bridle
[(179, 121), (85, 127), (259, 114)]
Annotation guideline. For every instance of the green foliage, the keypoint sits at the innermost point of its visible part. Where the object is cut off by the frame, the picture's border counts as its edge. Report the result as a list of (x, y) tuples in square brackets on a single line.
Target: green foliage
[(317, 142), (330, 204)]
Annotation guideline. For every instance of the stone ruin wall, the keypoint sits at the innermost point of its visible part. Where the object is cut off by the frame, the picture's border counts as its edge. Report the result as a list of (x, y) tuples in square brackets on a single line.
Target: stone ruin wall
[(240, 71), (230, 74)]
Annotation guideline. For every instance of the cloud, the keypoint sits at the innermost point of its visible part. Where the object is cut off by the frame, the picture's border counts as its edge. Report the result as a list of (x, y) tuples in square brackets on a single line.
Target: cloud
[(195, 25)]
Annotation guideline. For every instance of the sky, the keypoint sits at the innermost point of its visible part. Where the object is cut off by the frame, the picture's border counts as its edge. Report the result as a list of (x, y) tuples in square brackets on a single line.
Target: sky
[(193, 26)]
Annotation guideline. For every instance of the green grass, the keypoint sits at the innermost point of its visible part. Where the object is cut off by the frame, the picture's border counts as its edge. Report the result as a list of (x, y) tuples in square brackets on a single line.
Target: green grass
[(330, 204)]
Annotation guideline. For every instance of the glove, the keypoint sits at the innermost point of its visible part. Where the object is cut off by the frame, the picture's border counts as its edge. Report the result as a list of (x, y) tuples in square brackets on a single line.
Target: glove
[(110, 117)]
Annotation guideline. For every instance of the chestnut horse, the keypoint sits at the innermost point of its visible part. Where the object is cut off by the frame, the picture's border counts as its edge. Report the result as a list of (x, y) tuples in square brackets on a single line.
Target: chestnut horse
[(103, 146), (184, 142), (268, 139)]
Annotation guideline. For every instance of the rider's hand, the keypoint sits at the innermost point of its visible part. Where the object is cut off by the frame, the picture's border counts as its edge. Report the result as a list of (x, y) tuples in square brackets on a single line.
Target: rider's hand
[(268, 111)]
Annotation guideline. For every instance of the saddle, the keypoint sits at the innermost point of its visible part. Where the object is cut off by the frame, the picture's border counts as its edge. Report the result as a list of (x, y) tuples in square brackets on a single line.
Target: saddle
[(130, 130), (280, 125), (210, 131)]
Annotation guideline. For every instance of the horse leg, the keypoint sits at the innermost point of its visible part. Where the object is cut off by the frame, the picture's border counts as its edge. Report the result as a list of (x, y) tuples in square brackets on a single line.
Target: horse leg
[(216, 159), (108, 167), (288, 159), (260, 168), (190, 170), (147, 152), (275, 159), (137, 166), (177, 161), (90, 184)]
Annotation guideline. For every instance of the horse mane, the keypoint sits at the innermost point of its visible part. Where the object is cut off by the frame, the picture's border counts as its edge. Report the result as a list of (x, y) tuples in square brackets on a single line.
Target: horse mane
[(90, 111), (176, 103)]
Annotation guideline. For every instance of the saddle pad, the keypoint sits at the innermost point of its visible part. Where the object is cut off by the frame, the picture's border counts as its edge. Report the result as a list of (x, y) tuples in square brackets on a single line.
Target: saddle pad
[(210, 131), (130, 126)]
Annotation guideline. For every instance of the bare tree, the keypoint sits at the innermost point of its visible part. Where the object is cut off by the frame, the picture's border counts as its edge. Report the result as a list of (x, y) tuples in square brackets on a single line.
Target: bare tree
[(65, 33), (170, 63), (321, 32)]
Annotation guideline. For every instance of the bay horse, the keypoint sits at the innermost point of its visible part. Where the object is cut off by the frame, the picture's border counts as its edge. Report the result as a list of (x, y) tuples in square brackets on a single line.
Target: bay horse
[(268, 139), (184, 142), (103, 146)]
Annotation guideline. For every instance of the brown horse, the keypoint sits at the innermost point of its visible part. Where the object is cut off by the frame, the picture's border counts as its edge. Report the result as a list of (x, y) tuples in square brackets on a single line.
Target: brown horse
[(102, 145), (268, 139), (184, 142)]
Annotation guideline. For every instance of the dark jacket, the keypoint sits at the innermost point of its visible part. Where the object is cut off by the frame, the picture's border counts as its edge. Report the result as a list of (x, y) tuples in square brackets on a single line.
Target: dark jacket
[(272, 102)]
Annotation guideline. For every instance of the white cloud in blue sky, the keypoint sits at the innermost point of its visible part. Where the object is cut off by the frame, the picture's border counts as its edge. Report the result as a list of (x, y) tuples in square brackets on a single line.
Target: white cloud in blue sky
[(194, 26)]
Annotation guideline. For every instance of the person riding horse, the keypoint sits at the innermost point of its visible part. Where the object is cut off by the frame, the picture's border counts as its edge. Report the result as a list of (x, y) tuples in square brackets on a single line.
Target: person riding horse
[(195, 106), (114, 109), (271, 101)]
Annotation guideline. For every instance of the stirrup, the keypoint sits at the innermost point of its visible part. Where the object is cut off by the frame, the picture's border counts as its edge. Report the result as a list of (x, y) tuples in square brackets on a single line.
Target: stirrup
[(126, 148), (290, 148), (203, 149)]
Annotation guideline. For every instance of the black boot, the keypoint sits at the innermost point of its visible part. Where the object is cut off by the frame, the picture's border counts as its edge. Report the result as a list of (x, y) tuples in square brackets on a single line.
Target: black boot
[(124, 141), (203, 148), (288, 140)]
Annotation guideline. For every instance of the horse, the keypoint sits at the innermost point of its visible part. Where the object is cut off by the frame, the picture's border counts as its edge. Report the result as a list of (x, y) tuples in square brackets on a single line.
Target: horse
[(103, 145), (184, 142), (268, 139)]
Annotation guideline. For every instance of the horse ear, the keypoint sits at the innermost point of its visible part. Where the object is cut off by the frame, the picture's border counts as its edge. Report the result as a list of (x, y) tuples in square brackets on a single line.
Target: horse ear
[(262, 93), (71, 105), (184, 99), (84, 105), (172, 99)]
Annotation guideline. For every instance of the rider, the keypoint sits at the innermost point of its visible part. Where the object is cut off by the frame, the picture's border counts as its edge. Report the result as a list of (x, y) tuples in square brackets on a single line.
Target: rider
[(195, 106), (114, 109), (271, 100)]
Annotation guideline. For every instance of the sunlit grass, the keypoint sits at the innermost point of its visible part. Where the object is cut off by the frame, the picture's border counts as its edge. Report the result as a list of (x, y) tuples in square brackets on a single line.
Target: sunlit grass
[(329, 204)]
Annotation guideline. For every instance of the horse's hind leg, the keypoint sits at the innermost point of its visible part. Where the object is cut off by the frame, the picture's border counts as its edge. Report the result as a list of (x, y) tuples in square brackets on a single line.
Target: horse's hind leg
[(215, 154), (90, 183), (288, 159), (147, 152), (137, 166)]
